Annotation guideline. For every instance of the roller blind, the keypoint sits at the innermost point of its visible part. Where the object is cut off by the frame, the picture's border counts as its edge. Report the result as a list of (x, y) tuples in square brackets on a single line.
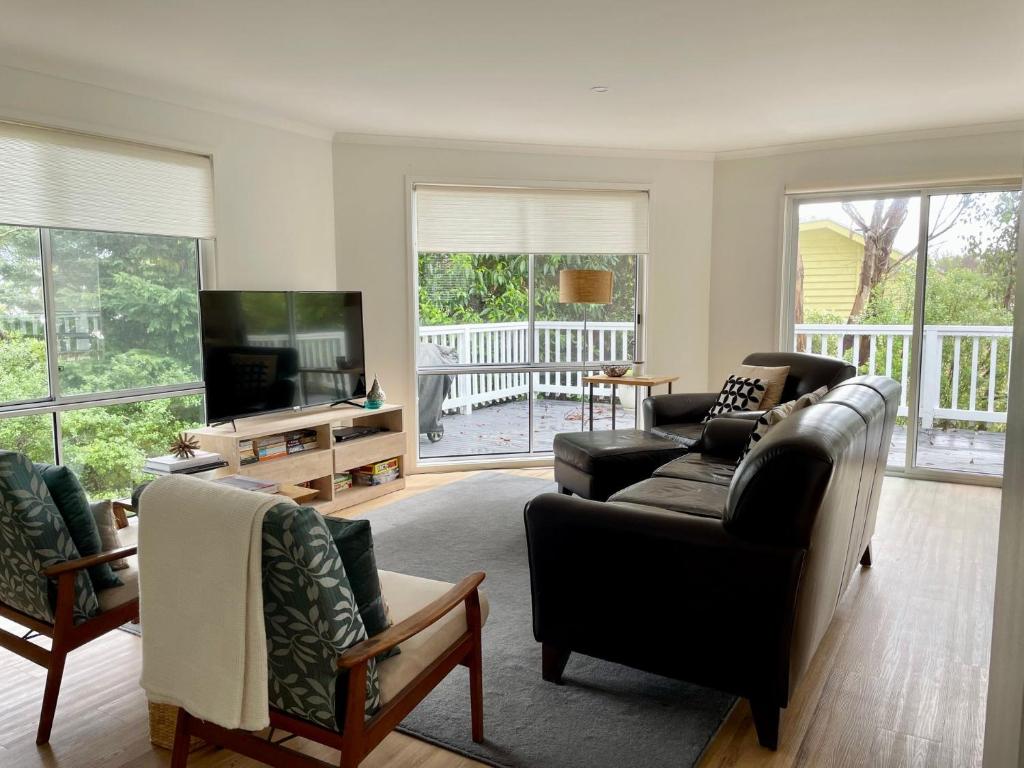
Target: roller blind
[(518, 220), (56, 179)]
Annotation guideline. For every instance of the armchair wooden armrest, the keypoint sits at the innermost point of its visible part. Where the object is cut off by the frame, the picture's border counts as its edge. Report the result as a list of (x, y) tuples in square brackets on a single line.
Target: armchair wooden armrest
[(87, 562), (362, 652)]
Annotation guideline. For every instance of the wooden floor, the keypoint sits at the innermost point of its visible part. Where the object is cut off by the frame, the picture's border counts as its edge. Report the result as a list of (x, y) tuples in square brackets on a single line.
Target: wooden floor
[(900, 679)]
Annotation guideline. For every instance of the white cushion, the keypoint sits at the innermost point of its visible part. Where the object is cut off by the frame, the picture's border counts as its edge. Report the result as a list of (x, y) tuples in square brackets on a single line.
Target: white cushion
[(405, 595)]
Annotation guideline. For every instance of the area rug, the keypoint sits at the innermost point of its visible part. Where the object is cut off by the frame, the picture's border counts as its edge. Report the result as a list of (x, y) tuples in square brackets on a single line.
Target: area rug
[(605, 715)]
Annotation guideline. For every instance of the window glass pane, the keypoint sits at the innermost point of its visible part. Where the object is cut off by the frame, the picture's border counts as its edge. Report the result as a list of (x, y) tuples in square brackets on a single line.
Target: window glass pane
[(611, 328), (30, 435), (106, 446), (23, 374), (127, 310), (968, 331), (455, 422), (853, 295), (474, 307)]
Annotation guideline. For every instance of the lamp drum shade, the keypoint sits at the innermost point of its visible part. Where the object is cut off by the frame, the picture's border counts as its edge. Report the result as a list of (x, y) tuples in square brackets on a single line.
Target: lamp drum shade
[(584, 286)]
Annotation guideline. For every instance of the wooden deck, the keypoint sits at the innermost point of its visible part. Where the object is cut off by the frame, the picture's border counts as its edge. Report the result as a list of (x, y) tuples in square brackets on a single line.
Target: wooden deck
[(504, 429)]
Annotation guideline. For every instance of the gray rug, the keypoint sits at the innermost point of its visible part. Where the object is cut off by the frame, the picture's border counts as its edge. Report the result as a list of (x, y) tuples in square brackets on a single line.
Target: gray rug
[(604, 715)]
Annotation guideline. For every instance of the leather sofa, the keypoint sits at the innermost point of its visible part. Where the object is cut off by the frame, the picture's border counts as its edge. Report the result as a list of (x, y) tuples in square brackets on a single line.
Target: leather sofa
[(678, 417), (721, 575)]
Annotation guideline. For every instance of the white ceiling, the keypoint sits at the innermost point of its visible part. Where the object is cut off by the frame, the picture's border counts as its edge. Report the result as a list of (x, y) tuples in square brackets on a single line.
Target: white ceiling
[(700, 75)]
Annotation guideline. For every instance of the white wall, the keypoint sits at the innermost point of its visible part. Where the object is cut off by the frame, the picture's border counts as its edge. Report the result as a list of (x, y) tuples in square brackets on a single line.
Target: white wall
[(273, 194), (746, 260), (371, 218)]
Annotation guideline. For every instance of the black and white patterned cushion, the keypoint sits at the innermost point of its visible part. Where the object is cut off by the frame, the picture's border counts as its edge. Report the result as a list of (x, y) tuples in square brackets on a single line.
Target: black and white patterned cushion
[(766, 422), (738, 394)]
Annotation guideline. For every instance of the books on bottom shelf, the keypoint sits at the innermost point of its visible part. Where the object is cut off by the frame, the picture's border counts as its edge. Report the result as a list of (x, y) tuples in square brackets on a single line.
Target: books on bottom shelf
[(342, 481), (378, 473), (172, 465), (248, 483)]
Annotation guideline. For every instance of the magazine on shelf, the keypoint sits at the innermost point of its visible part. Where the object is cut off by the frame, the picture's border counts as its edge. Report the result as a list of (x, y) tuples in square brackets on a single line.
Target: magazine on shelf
[(159, 470), (172, 463), (248, 483)]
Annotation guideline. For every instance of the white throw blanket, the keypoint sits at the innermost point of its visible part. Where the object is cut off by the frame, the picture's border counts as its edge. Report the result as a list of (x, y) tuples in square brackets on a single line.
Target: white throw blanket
[(204, 646)]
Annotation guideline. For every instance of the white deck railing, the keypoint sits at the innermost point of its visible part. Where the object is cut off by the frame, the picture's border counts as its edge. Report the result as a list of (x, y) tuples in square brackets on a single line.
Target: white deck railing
[(508, 343), (960, 364)]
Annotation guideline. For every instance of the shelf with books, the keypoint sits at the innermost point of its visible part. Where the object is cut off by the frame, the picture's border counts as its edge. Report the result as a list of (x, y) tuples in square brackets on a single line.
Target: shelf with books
[(321, 459)]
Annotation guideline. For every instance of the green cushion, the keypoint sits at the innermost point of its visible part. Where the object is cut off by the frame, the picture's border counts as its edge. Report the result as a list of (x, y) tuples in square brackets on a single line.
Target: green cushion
[(73, 505), (33, 536), (355, 545), (310, 616)]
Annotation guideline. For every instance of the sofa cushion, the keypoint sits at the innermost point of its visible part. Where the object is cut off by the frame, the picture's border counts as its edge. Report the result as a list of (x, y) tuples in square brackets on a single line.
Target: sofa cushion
[(311, 617), (355, 545), (128, 590), (406, 595), (103, 513), (700, 468), (689, 496), (739, 393), (774, 380), (73, 505), (588, 451), (769, 419), (34, 536), (683, 435)]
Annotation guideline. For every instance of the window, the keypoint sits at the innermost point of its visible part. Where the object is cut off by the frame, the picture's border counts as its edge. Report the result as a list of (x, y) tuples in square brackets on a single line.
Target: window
[(99, 324), (500, 360)]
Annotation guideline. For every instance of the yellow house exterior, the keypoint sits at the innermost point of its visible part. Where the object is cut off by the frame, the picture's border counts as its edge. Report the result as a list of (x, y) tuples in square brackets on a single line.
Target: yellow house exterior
[(831, 257)]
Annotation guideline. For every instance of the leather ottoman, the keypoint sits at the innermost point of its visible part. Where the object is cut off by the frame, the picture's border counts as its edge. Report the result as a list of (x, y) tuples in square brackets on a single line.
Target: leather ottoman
[(595, 465)]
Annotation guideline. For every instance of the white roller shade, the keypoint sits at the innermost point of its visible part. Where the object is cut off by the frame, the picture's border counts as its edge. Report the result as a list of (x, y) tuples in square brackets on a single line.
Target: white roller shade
[(65, 180), (515, 220)]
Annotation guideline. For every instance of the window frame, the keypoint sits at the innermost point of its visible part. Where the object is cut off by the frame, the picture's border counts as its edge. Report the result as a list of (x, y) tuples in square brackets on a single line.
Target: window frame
[(787, 297), (56, 403), (530, 457)]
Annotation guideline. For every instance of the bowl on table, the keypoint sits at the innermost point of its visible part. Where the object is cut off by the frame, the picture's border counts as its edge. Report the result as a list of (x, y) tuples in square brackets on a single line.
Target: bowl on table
[(615, 371)]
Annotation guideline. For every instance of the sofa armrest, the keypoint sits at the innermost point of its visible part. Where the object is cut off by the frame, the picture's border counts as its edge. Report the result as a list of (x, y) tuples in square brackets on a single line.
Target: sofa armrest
[(667, 592), (682, 408), (724, 438)]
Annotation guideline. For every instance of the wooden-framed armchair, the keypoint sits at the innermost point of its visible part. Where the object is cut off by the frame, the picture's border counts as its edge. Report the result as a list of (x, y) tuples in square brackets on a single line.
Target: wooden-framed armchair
[(44, 585), (436, 627), (359, 736)]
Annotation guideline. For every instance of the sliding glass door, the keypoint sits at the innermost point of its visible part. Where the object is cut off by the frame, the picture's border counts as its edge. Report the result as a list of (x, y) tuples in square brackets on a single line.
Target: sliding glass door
[(500, 360), (917, 286)]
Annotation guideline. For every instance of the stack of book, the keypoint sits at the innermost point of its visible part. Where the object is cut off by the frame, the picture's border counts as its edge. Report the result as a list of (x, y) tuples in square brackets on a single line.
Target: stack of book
[(342, 481), (270, 447), (248, 483), (376, 474), (172, 465), (301, 441), (247, 452)]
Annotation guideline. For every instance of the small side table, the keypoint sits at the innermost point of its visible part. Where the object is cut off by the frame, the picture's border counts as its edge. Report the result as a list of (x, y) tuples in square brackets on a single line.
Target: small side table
[(626, 381)]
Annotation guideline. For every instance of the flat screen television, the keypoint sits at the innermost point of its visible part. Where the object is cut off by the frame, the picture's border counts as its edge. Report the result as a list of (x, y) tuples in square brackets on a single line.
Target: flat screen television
[(269, 351)]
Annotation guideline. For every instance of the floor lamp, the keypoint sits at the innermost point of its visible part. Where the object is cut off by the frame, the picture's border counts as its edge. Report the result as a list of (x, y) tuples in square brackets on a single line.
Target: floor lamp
[(584, 286)]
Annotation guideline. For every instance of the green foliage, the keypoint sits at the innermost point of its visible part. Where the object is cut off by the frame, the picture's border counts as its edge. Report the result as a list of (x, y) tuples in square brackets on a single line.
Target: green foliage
[(142, 290), (458, 288)]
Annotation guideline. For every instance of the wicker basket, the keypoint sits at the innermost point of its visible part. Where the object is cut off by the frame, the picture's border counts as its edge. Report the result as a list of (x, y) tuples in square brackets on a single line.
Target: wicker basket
[(163, 719)]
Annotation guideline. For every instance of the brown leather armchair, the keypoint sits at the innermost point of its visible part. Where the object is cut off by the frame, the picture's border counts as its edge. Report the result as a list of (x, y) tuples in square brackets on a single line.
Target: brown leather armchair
[(678, 417)]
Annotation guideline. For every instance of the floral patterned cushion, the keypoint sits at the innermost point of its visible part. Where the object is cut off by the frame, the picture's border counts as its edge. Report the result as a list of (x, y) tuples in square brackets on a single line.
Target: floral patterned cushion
[(310, 616), (33, 536)]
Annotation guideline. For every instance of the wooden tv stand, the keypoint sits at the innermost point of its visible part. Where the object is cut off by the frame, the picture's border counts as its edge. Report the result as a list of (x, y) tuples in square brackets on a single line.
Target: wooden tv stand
[(316, 466)]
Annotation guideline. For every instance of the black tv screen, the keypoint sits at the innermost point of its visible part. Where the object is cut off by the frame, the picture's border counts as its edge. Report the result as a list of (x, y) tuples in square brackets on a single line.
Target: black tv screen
[(274, 350)]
